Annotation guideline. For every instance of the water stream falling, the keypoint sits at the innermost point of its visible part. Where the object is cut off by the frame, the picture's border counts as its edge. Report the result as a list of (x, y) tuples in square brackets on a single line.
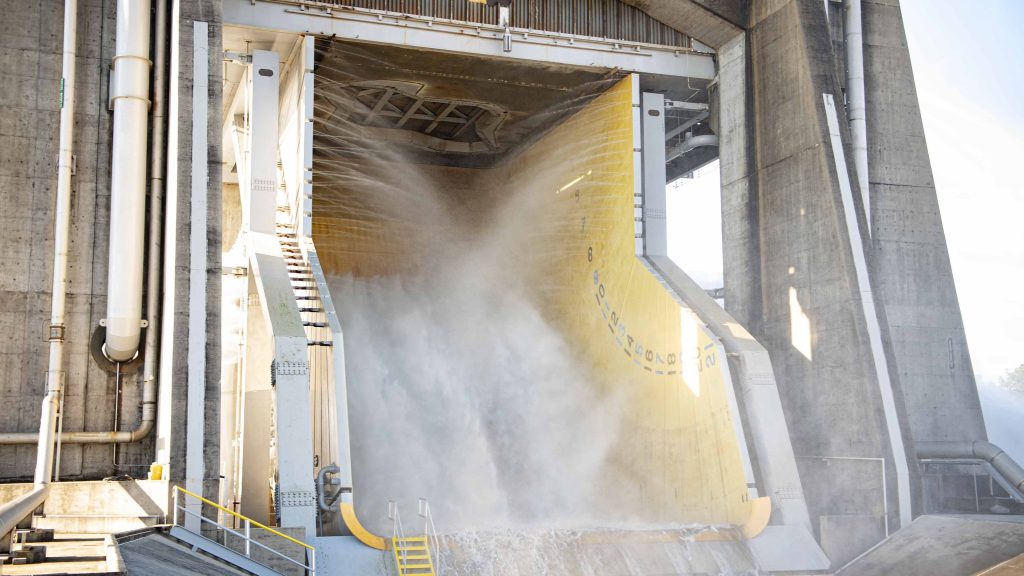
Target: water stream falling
[(463, 389)]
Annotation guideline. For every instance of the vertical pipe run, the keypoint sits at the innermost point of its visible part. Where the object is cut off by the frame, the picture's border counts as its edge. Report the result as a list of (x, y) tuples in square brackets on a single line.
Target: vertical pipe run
[(855, 100), (158, 165), (13, 512), (157, 171), (128, 179), (61, 227)]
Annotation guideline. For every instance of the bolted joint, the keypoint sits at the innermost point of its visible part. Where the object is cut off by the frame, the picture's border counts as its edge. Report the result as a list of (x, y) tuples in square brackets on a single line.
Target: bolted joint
[(56, 333)]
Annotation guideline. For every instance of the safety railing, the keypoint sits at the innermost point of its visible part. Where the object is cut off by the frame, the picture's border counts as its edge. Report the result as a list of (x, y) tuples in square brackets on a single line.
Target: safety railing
[(414, 555), (430, 531), (397, 531), (967, 486), (309, 566)]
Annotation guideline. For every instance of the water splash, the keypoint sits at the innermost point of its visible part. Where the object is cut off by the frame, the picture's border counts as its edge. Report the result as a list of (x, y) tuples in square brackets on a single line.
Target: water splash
[(592, 553)]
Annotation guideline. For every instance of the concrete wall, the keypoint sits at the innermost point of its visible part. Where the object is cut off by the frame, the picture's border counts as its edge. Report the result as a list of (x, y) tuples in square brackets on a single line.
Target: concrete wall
[(31, 41), (912, 261), (789, 263), (30, 52)]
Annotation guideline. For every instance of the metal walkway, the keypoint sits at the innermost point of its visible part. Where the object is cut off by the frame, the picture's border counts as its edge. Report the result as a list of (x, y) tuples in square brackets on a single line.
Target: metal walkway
[(245, 551)]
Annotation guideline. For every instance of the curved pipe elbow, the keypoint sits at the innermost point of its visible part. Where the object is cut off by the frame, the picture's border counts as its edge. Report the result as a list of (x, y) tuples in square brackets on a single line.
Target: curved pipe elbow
[(976, 450), (145, 429), (321, 486), (690, 144)]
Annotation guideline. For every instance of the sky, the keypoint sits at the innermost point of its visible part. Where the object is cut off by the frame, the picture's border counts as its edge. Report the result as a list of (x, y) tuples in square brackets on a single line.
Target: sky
[(968, 62)]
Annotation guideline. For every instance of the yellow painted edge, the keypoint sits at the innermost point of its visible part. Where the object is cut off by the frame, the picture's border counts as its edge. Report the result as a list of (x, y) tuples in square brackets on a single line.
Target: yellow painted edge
[(348, 514), (728, 534), (246, 518), (394, 549), (760, 514)]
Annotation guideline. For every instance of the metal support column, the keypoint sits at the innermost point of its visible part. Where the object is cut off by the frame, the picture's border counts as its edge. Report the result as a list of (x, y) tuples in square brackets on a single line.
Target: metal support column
[(290, 370)]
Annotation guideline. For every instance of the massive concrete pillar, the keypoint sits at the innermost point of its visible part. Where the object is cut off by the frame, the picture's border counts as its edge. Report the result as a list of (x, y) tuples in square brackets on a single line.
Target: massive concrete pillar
[(791, 274), (912, 261)]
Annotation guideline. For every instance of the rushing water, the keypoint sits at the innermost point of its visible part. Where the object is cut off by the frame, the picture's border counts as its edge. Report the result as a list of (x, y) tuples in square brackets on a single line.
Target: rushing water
[(464, 391), (592, 553)]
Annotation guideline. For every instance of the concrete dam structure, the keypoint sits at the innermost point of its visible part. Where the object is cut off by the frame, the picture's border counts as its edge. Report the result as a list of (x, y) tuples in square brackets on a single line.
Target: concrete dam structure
[(382, 287)]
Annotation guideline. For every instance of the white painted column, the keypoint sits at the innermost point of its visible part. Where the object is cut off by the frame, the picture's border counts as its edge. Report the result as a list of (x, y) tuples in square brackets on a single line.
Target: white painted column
[(652, 116), (195, 469), (294, 446)]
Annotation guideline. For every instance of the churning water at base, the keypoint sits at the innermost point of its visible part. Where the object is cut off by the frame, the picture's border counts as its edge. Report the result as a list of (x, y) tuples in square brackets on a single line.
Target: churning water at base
[(592, 553)]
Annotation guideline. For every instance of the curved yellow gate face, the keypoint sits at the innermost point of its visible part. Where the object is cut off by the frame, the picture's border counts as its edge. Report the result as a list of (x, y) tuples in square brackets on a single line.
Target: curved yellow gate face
[(678, 457), (680, 443)]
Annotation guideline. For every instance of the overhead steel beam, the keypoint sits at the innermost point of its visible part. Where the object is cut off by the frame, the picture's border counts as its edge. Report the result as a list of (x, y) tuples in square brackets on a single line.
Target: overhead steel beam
[(380, 27), (441, 117)]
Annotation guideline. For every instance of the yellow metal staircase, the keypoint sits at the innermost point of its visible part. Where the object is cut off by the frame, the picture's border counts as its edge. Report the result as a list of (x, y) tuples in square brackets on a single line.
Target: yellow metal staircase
[(412, 556)]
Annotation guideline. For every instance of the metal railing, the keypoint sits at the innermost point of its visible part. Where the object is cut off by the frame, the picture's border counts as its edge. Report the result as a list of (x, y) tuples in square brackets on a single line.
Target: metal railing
[(397, 531), (431, 533), (246, 534), (967, 486), (400, 543)]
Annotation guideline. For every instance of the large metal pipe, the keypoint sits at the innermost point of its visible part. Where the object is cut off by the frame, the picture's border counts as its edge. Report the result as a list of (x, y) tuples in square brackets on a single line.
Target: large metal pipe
[(158, 165), (15, 511), (20, 508), (689, 144), (128, 180), (856, 107), (975, 450), (155, 252)]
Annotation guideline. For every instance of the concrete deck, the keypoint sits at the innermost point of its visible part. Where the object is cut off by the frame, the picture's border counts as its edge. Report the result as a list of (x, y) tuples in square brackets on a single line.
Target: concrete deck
[(943, 546), (73, 554)]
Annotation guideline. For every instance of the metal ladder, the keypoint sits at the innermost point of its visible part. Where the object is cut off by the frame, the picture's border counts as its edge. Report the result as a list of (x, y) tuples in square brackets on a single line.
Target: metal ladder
[(307, 295)]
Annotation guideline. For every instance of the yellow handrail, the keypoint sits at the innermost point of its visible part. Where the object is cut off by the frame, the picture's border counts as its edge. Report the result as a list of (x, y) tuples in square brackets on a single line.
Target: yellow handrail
[(246, 518)]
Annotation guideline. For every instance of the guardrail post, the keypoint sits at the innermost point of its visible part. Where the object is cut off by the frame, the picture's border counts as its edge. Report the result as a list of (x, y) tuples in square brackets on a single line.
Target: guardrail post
[(248, 536), (175, 506)]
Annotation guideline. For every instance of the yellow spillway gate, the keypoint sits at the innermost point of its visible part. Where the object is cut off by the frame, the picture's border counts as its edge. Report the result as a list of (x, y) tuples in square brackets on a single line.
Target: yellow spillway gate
[(679, 448), (680, 443)]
